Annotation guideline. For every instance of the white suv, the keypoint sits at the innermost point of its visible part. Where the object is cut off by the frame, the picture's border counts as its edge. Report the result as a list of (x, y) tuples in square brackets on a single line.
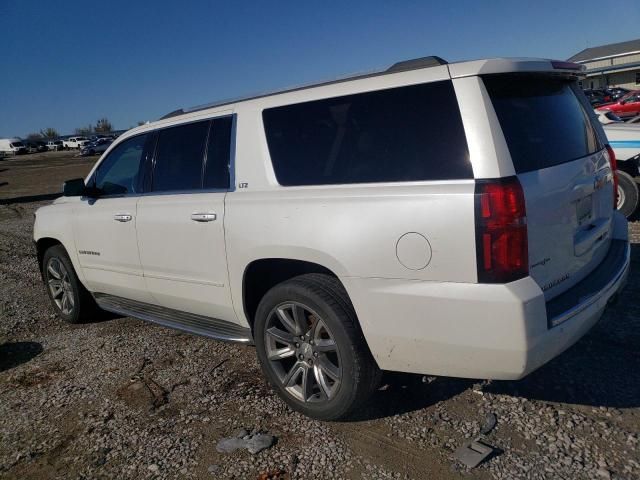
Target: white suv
[(345, 229)]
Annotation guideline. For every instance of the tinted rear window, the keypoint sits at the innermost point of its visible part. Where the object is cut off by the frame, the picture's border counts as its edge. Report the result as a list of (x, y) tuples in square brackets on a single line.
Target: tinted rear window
[(543, 121), (402, 134)]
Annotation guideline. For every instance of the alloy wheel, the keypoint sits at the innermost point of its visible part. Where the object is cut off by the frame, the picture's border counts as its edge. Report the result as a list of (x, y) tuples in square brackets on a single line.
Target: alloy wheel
[(303, 353), (59, 284)]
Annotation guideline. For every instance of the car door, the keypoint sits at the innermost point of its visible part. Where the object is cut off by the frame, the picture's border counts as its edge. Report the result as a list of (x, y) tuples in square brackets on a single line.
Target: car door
[(180, 221), (105, 224)]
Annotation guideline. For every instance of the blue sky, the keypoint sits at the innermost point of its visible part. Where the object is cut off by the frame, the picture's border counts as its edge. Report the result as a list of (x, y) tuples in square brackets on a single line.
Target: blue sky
[(65, 64)]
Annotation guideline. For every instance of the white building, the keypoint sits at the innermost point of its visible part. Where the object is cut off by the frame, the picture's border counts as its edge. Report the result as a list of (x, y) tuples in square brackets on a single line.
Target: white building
[(613, 65)]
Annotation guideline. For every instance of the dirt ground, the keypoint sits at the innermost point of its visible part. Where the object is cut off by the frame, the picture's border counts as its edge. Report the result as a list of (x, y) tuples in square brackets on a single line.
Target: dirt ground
[(40, 175), (121, 398)]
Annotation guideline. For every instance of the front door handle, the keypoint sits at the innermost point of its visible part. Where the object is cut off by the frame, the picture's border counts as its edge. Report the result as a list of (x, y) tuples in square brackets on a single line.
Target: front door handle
[(203, 216), (122, 217)]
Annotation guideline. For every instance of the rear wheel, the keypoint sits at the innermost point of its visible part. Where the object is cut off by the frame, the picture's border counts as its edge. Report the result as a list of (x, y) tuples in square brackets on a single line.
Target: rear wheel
[(311, 348), (627, 194), (71, 301)]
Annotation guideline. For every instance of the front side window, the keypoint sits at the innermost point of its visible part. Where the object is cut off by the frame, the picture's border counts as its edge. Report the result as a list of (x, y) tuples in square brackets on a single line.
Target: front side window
[(179, 157), (118, 173), (411, 133)]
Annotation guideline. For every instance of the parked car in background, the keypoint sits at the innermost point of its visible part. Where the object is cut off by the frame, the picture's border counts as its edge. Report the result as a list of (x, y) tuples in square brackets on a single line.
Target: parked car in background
[(616, 92), (12, 146), (624, 139), (55, 145), (626, 106), (597, 97), (36, 147), (345, 230), (83, 143), (606, 116), (74, 142), (98, 146)]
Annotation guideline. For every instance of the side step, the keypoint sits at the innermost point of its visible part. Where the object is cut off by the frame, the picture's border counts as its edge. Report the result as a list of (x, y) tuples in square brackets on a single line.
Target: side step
[(167, 317)]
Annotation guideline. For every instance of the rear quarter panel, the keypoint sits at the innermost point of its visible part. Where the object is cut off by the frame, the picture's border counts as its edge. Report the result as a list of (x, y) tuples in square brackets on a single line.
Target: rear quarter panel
[(351, 229)]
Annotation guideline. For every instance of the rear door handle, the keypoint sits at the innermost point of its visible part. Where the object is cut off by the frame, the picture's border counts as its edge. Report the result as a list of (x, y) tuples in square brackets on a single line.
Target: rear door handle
[(122, 217), (203, 217)]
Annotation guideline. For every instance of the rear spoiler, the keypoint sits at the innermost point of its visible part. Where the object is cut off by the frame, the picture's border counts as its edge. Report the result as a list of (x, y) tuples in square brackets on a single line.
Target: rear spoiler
[(515, 65)]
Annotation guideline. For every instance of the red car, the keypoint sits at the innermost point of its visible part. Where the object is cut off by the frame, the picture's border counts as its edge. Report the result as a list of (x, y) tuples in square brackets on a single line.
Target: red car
[(626, 106)]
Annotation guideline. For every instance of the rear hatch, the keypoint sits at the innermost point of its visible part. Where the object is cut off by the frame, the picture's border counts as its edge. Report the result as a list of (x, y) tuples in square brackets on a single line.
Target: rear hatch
[(564, 171)]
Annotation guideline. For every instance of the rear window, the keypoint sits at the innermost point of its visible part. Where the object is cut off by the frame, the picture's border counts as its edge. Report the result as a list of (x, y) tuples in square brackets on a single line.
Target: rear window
[(543, 121), (402, 134)]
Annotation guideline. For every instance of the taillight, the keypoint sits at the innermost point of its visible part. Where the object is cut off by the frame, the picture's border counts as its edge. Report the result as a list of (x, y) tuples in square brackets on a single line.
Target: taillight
[(614, 170), (501, 231)]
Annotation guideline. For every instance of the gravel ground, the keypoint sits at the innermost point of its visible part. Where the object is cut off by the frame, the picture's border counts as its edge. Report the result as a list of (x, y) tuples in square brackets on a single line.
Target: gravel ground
[(121, 398)]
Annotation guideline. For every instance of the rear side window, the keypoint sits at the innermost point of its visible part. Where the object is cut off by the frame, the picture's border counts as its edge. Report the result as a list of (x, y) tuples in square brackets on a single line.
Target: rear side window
[(179, 156), (543, 121), (402, 134)]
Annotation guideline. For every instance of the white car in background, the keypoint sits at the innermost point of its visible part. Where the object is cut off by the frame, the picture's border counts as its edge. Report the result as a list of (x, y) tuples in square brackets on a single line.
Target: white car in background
[(624, 139), (12, 146), (55, 145), (74, 142)]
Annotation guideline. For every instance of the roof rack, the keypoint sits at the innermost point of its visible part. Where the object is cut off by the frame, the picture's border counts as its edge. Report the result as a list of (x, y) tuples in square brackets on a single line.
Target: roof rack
[(403, 66)]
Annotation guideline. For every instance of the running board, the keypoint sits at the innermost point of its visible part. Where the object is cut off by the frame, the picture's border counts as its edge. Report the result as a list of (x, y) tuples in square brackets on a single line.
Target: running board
[(167, 317)]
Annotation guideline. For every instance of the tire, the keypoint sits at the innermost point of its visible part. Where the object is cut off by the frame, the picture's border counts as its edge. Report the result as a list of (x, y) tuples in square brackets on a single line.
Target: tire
[(627, 194), (333, 355), (58, 275)]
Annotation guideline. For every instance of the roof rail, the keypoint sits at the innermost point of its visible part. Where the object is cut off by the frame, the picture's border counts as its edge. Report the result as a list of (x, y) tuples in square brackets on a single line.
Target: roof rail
[(404, 66), (415, 63), (175, 113)]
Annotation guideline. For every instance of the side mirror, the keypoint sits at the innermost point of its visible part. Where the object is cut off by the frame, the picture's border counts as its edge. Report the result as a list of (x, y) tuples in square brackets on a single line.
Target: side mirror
[(73, 188)]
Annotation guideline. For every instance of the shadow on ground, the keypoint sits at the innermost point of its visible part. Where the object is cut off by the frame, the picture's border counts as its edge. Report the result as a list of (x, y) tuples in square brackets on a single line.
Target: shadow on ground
[(30, 198), (402, 392), (13, 354)]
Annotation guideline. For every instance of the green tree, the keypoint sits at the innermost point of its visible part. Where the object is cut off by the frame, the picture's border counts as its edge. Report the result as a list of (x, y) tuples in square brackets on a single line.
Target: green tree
[(49, 133), (104, 126)]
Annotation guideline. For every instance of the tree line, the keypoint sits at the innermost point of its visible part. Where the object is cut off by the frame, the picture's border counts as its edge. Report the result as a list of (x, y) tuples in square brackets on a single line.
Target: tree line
[(102, 127)]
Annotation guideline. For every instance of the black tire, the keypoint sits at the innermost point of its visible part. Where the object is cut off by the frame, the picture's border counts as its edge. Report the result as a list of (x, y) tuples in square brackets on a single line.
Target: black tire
[(84, 307), (627, 193), (325, 296)]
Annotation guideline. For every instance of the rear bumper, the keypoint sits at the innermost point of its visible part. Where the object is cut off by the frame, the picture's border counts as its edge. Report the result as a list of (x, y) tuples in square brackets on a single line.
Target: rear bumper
[(480, 330)]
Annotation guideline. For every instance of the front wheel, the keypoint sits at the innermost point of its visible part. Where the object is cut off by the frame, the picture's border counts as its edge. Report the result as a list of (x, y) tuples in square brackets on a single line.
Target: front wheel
[(311, 348), (627, 194), (71, 301)]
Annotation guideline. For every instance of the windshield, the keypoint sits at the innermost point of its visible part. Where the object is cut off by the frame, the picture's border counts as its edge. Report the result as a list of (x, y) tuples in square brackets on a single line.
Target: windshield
[(17, 144)]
